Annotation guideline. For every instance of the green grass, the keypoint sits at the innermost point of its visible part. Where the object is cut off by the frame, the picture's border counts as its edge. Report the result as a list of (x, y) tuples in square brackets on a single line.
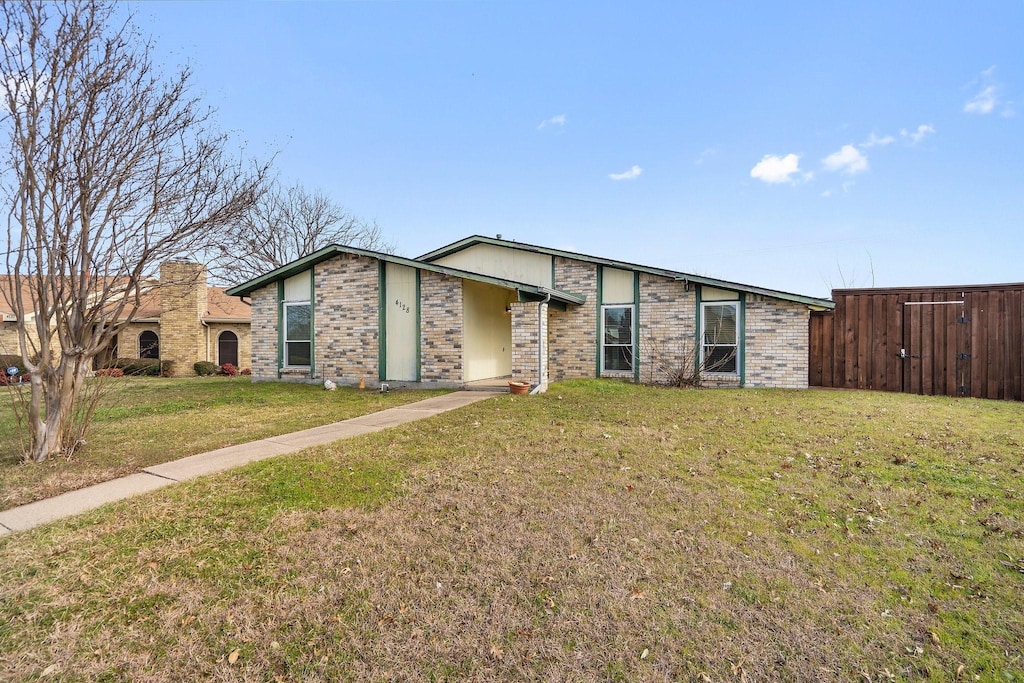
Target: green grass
[(730, 535), (147, 421)]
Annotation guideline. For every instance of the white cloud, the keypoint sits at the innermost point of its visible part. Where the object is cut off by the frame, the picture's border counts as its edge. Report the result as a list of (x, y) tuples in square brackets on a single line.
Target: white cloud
[(776, 169), (826, 193), (876, 141), (982, 103), (627, 175), (916, 136), (849, 160), (706, 154), (987, 98), (557, 120)]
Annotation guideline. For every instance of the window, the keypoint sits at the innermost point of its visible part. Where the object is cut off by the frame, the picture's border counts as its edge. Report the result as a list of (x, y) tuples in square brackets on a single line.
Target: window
[(149, 345), (719, 350), (227, 348), (298, 334), (617, 338)]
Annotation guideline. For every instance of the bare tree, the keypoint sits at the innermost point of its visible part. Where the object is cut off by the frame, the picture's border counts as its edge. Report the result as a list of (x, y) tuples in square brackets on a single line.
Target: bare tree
[(683, 365), (286, 224), (110, 168)]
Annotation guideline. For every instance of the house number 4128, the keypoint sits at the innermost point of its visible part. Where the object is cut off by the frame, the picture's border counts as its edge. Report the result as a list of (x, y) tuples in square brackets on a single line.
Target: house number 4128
[(402, 306)]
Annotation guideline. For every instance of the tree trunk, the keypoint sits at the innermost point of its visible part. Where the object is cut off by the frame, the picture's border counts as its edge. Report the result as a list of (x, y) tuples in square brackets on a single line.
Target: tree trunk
[(54, 431)]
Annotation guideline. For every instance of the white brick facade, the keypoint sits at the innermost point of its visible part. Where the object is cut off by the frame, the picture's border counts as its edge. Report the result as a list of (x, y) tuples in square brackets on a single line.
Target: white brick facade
[(776, 343), (347, 329)]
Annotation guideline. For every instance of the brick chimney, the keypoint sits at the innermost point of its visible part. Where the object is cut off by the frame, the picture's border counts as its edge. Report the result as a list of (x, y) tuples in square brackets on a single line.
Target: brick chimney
[(182, 306)]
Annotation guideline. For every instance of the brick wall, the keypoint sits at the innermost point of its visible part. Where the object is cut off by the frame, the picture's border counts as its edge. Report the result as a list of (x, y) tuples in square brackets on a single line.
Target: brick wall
[(244, 335), (345, 319), (128, 339), (572, 334), (441, 327), (9, 339), (264, 333), (667, 328), (182, 302), (776, 343), (525, 352)]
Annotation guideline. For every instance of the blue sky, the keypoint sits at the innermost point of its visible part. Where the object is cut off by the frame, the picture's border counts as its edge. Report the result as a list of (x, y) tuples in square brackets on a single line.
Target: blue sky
[(786, 145)]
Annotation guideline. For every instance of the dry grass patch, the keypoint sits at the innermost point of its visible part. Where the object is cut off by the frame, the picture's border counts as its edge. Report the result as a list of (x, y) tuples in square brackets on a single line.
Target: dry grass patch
[(601, 532), (147, 421)]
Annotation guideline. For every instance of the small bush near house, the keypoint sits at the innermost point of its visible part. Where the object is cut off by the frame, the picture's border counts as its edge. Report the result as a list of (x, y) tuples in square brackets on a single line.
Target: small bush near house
[(229, 369), (205, 368), (245, 371), (110, 372), (138, 367)]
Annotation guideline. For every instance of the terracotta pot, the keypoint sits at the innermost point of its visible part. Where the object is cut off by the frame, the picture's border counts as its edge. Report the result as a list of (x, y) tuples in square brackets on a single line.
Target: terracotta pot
[(518, 387)]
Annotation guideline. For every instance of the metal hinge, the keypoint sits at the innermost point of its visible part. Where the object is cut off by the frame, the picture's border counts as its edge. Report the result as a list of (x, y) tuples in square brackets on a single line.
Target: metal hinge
[(963, 356)]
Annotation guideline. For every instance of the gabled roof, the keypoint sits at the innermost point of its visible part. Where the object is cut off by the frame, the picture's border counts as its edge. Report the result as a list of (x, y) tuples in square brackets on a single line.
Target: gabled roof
[(526, 291), (674, 274)]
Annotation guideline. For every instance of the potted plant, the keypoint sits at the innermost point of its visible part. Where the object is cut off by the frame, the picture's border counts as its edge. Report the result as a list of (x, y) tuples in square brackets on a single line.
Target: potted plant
[(517, 386)]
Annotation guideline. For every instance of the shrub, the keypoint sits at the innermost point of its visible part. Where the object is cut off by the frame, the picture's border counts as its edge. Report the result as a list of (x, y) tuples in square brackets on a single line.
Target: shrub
[(166, 368), (141, 367), (110, 372), (205, 368), (229, 369), (245, 371)]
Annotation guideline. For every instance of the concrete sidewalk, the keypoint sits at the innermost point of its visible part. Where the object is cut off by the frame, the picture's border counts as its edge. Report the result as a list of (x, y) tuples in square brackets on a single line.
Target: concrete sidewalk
[(158, 476)]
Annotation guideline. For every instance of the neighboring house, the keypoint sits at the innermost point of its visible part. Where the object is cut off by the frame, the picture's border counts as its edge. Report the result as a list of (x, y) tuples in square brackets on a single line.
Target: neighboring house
[(485, 308), (181, 320)]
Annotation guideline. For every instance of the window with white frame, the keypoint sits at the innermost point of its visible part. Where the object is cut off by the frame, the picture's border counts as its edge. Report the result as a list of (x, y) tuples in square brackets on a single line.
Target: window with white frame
[(298, 331), (720, 337), (617, 338)]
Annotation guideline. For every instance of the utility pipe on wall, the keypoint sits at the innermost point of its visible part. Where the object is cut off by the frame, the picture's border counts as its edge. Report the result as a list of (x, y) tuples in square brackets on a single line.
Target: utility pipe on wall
[(542, 386)]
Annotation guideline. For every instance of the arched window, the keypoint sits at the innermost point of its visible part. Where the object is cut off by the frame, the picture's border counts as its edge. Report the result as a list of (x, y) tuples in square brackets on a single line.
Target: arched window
[(227, 348), (149, 345)]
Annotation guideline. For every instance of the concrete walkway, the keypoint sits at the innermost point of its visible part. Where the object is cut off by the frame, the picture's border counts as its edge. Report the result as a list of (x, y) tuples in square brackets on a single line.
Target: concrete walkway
[(158, 476)]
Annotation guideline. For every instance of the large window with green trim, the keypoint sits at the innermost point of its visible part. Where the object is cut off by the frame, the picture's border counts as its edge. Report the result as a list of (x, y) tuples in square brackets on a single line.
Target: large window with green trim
[(720, 326), (298, 331), (617, 338)]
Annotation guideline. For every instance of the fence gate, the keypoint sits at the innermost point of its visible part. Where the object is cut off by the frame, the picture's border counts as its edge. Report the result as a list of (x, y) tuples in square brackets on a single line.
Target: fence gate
[(935, 353)]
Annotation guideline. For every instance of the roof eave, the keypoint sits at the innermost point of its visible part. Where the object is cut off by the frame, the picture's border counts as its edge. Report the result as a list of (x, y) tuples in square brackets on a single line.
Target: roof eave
[(305, 263), (466, 242)]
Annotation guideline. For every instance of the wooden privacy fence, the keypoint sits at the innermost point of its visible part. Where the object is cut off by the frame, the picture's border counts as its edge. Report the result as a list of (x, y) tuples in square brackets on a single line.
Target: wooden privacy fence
[(954, 341)]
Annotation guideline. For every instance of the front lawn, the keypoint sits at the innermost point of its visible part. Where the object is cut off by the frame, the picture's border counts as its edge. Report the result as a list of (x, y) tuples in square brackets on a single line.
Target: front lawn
[(144, 421), (602, 531)]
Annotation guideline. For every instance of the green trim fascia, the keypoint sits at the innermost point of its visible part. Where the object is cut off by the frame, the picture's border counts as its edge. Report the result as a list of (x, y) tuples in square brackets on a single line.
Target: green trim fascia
[(624, 265), (295, 267), (312, 323), (700, 343), (600, 321), (636, 327), (419, 322), (280, 327), (743, 339), (382, 321), (553, 281)]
